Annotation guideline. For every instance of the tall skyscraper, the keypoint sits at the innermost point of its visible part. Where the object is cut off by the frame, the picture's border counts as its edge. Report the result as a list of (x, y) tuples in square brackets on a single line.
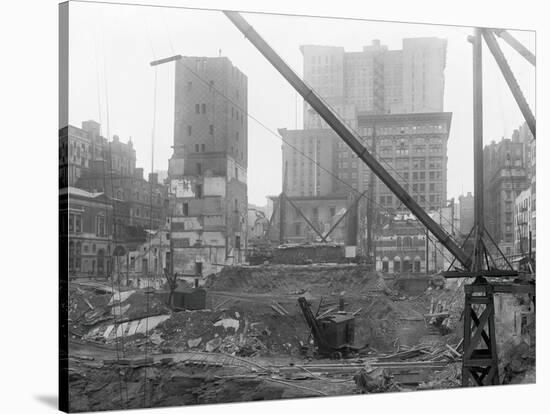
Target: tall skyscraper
[(208, 168), (376, 79)]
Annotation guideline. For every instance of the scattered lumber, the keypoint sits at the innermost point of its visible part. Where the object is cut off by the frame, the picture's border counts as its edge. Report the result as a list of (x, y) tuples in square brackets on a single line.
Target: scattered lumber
[(437, 315), (276, 309), (453, 351), (279, 307), (223, 302)]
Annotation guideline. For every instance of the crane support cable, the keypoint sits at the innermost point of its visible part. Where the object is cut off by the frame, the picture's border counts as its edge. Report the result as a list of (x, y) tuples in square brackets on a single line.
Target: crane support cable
[(494, 47), (348, 136)]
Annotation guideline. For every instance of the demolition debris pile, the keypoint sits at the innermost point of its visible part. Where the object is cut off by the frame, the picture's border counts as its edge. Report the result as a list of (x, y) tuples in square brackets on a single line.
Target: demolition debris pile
[(252, 342)]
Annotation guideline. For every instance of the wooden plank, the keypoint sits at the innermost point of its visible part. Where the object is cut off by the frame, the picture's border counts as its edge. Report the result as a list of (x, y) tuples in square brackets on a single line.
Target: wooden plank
[(453, 351)]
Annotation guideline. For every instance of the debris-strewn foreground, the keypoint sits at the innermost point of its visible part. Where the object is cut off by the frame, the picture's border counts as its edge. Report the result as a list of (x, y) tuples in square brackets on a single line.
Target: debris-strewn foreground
[(128, 349)]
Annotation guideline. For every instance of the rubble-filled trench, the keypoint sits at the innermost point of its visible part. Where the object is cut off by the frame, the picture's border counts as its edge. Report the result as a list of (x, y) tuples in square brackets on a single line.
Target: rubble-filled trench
[(252, 342)]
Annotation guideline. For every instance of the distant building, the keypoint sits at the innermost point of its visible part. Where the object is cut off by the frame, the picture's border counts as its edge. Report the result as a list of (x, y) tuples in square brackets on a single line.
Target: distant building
[(393, 99), (524, 223), (401, 242), (401, 246), (91, 162), (208, 169), (505, 176), (467, 214), (412, 148), (146, 261), (85, 221), (162, 176), (75, 155), (138, 203), (322, 212), (525, 217), (306, 177), (376, 79)]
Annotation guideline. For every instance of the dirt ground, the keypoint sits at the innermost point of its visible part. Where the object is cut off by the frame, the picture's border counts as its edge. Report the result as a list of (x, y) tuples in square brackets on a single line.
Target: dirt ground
[(129, 350)]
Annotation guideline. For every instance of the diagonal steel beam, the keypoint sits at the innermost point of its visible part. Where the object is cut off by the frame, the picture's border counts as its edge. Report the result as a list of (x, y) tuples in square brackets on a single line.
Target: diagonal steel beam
[(518, 47), (347, 135), (328, 233), (494, 47), (303, 216)]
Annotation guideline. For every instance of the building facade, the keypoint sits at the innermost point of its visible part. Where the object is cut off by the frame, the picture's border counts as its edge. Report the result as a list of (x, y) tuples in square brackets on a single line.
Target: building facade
[(505, 176), (86, 222), (525, 213), (403, 245), (524, 223), (145, 262), (311, 176), (208, 169), (400, 246), (412, 148), (91, 162), (75, 155), (376, 79)]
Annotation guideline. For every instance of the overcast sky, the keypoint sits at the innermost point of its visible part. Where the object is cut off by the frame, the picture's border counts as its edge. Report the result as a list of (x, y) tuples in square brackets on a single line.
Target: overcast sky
[(111, 81)]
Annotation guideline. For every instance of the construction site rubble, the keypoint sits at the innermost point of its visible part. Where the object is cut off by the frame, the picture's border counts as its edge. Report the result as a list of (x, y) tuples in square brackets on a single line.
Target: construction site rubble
[(252, 339)]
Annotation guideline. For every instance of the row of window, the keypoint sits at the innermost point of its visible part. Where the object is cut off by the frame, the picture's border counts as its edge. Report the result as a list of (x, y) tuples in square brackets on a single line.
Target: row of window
[(387, 200), (75, 256), (394, 130), (75, 224)]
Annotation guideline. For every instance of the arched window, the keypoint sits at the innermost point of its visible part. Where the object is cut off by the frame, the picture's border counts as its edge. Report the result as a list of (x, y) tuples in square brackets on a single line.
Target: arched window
[(407, 242), (398, 242), (406, 265), (397, 264), (385, 265), (417, 264)]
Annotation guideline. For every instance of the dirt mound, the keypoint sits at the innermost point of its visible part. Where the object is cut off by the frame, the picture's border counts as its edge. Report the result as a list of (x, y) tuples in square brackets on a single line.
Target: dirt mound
[(284, 279)]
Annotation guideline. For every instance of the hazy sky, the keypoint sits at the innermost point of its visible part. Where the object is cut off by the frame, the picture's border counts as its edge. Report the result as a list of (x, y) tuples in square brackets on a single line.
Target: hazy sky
[(111, 81)]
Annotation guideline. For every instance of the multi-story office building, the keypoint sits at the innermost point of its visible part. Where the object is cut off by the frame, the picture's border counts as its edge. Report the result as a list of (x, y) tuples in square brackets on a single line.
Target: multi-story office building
[(412, 147), (208, 168), (505, 176), (376, 79)]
